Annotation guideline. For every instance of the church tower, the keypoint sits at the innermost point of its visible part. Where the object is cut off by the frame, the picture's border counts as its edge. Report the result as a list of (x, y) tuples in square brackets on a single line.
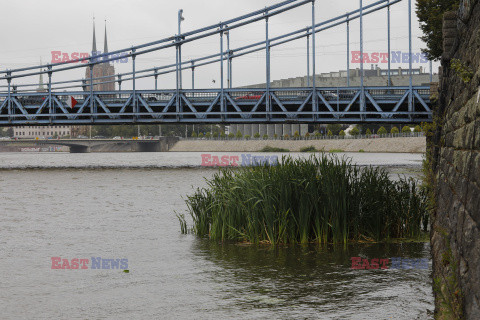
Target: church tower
[(105, 71)]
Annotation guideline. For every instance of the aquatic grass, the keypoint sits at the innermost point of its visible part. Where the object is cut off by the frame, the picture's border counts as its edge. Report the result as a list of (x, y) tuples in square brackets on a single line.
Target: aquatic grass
[(323, 199)]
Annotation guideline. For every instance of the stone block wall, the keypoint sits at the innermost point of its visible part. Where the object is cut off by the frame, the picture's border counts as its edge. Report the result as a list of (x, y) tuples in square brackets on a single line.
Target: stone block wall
[(456, 168)]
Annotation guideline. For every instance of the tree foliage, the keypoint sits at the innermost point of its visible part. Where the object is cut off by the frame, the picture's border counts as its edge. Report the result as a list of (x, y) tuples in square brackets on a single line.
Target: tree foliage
[(382, 130), (430, 14)]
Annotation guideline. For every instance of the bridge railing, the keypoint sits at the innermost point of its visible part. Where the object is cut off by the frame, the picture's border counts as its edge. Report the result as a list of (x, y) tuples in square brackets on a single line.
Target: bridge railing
[(20, 106)]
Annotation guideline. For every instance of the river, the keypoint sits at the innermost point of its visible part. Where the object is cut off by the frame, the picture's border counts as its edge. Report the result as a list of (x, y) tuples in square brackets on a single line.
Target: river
[(122, 206)]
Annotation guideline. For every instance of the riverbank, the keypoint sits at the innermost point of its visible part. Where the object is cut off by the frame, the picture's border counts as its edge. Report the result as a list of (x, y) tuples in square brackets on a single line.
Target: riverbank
[(389, 145)]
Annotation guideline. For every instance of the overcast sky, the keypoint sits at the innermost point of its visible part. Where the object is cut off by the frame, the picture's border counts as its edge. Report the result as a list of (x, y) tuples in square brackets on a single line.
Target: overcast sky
[(32, 29)]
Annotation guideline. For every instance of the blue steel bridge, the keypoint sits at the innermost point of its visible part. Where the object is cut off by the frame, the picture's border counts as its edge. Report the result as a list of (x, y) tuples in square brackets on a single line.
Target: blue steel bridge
[(21, 105)]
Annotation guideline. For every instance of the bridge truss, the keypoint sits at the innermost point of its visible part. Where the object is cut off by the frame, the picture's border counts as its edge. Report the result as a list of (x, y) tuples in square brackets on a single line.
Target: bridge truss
[(21, 105)]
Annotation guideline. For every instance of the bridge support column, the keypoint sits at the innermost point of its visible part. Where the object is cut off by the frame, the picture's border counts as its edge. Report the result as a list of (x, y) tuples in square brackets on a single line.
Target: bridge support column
[(303, 129), (247, 130), (262, 130), (255, 129), (295, 129), (279, 130), (80, 149), (270, 130)]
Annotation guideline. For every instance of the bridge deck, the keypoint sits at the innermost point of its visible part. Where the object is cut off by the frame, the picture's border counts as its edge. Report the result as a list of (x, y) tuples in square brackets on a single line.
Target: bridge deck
[(278, 105)]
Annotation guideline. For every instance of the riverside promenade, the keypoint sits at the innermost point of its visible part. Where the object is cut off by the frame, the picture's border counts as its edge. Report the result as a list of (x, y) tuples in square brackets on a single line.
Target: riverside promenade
[(394, 145)]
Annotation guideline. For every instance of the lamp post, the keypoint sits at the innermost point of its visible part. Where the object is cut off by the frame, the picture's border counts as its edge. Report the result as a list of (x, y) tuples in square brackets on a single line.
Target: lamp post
[(180, 19)]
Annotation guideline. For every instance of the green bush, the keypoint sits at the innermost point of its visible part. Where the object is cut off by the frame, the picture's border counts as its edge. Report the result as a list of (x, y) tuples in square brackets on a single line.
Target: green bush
[(329, 133), (256, 135), (394, 130), (231, 135), (406, 129), (215, 134), (322, 199), (286, 137), (239, 135), (273, 149), (342, 133), (368, 133), (382, 130), (247, 137), (307, 135), (208, 135), (309, 149), (200, 135), (354, 131), (296, 135), (194, 134), (265, 137), (223, 135), (417, 128)]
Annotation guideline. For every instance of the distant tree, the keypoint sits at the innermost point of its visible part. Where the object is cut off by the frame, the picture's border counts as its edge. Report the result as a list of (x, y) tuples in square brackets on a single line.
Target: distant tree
[(354, 131), (231, 135), (406, 129), (239, 135), (215, 134), (430, 15), (286, 136), (329, 133), (256, 135), (247, 137), (223, 135), (307, 135), (318, 134), (335, 128), (417, 128), (382, 130), (394, 130), (296, 135), (208, 135), (265, 137), (200, 135), (368, 133), (341, 133), (275, 136)]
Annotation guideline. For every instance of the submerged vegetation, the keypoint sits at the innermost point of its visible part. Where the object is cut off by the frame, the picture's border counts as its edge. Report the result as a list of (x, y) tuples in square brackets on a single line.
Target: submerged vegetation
[(322, 199)]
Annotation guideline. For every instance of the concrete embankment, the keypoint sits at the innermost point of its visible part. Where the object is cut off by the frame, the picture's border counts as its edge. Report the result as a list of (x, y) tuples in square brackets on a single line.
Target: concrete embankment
[(400, 145)]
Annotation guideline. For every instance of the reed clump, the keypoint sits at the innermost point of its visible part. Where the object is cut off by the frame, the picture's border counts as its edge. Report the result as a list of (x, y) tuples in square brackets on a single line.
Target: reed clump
[(322, 199)]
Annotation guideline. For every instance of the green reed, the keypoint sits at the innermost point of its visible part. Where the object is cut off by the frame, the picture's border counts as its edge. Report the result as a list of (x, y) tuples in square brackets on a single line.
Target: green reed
[(321, 199)]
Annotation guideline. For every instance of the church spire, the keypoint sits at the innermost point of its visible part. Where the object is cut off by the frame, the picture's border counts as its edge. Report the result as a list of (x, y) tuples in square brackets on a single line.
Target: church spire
[(94, 45), (105, 46)]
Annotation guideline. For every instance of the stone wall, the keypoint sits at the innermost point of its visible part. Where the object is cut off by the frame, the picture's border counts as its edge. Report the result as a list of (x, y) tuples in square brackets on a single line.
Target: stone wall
[(455, 159)]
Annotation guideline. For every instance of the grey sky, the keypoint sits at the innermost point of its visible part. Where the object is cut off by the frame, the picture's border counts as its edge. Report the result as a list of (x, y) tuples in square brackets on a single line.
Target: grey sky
[(34, 28)]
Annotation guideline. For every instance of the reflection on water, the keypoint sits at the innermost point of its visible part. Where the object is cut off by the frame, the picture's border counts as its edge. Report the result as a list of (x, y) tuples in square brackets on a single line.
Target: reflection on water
[(312, 281), (55, 211)]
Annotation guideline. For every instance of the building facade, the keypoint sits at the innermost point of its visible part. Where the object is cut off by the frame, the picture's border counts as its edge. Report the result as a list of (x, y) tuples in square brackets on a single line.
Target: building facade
[(41, 132)]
